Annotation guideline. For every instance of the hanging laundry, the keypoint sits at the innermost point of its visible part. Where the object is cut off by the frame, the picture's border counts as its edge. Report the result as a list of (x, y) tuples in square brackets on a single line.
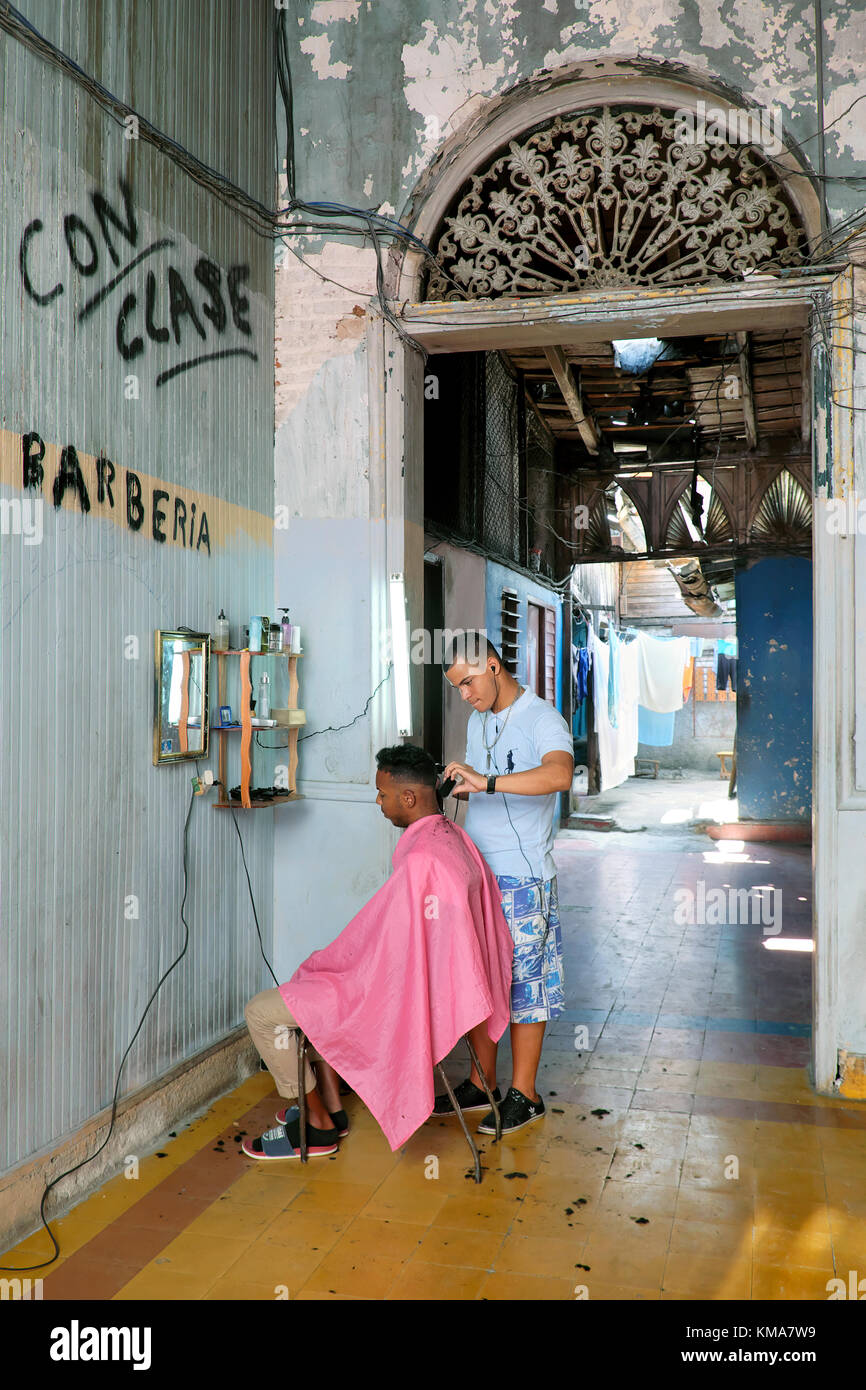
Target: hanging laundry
[(661, 661), (615, 745), (580, 671), (628, 697), (655, 730), (580, 667), (726, 670), (614, 646), (688, 678)]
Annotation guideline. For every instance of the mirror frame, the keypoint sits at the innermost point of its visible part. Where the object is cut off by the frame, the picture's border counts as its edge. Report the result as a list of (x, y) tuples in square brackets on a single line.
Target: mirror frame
[(199, 641)]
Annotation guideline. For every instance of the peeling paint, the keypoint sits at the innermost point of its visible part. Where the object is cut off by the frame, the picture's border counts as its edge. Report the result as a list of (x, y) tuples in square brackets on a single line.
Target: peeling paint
[(319, 49), (332, 11)]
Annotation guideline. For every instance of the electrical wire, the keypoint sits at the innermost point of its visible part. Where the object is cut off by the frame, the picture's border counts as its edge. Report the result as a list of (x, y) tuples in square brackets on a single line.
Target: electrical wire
[(336, 728), (74, 1169), (252, 898)]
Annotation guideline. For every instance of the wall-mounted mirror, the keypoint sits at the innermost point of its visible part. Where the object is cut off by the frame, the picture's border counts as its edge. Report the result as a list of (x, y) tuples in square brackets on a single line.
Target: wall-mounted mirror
[(180, 724)]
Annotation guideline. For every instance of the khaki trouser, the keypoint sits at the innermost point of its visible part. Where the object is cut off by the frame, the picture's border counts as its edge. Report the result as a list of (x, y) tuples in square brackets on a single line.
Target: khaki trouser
[(275, 1033)]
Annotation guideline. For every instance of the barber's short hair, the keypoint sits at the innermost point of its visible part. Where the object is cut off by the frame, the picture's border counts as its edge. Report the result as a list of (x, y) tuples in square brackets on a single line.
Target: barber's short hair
[(471, 646), (408, 763)]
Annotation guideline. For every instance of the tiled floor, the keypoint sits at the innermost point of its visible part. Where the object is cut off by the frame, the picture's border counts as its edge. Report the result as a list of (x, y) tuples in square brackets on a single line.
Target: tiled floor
[(683, 1154)]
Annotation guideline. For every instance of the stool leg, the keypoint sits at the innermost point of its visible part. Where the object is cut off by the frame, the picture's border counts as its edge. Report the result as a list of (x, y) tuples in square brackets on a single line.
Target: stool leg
[(469, 1140), (487, 1091), (302, 1099)]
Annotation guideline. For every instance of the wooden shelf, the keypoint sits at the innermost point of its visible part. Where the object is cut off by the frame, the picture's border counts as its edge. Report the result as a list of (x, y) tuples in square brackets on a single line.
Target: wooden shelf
[(257, 805), (247, 730)]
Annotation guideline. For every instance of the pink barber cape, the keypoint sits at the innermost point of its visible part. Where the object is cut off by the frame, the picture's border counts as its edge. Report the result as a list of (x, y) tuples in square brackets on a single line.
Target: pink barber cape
[(426, 959)]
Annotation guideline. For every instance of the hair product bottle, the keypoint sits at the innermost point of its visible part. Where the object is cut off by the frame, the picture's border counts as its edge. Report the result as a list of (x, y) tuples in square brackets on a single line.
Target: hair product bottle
[(263, 708)]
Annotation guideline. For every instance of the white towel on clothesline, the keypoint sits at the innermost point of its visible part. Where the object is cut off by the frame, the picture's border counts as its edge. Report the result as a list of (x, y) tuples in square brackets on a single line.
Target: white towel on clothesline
[(661, 662)]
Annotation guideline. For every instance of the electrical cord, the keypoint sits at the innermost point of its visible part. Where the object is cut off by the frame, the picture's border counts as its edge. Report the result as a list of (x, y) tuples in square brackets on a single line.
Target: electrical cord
[(545, 906), (252, 898), (22, 1269)]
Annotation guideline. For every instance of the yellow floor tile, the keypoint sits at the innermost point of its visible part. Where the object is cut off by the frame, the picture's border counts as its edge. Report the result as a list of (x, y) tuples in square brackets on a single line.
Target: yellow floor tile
[(784, 1282), (333, 1197), (305, 1229), (622, 1293), (450, 1246), (539, 1256), (527, 1288), (551, 1221), (728, 1206), (261, 1185), (189, 1253), (161, 1283), (728, 1240), (395, 1240), (799, 1184), (360, 1275), (779, 1209), (629, 1196), (565, 1191), (616, 1230), (610, 1264), (706, 1276), (812, 1250), (234, 1220), (425, 1282), (233, 1289), (477, 1213), (280, 1266)]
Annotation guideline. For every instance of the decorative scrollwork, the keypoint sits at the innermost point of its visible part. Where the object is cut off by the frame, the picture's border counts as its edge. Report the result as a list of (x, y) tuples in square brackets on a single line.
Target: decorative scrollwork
[(610, 198)]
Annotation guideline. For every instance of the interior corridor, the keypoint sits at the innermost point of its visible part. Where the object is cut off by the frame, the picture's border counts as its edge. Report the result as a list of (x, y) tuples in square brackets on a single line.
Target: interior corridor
[(683, 1154)]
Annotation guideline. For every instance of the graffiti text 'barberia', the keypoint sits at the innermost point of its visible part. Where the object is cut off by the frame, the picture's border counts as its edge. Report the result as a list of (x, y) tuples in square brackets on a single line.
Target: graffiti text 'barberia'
[(163, 310)]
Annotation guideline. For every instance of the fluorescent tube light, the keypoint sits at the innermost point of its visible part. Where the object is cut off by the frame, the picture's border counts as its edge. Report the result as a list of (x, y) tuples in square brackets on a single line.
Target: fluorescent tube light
[(400, 652)]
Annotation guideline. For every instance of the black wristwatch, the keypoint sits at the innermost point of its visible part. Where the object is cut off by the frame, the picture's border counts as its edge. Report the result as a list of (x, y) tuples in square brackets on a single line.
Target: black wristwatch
[(491, 783)]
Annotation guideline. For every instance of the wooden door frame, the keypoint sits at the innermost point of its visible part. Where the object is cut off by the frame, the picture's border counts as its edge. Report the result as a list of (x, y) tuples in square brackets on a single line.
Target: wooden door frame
[(806, 301)]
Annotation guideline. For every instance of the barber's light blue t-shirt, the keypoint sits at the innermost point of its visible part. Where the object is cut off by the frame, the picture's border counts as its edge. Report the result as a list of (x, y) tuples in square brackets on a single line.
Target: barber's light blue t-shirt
[(534, 728)]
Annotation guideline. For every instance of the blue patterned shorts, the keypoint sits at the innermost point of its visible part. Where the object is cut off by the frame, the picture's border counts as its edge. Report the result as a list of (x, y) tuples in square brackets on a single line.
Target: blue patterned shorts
[(537, 979)]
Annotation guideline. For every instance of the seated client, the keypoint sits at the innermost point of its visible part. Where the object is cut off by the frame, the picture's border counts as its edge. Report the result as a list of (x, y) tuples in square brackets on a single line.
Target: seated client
[(427, 959)]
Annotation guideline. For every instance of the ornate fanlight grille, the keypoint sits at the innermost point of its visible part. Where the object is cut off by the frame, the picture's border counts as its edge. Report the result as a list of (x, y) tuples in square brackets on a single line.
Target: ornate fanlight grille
[(609, 198), (785, 514), (715, 524)]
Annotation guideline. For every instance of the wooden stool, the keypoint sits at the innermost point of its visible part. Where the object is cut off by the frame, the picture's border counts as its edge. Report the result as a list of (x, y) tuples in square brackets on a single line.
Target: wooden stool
[(650, 762), (725, 772)]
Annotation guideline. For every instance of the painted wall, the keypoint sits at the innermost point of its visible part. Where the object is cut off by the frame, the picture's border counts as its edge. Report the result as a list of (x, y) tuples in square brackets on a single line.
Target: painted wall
[(774, 689), (423, 69), (91, 869), (465, 598), (500, 577)]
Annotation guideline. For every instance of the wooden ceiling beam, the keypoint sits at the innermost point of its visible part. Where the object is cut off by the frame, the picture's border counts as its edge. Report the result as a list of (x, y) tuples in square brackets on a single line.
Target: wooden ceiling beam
[(572, 397), (749, 418)]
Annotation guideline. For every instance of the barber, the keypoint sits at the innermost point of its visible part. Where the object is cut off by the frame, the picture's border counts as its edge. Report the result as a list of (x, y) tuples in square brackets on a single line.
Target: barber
[(519, 756)]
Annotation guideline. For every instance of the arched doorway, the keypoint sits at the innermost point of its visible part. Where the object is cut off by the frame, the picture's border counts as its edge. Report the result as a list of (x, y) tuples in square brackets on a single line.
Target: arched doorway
[(700, 285)]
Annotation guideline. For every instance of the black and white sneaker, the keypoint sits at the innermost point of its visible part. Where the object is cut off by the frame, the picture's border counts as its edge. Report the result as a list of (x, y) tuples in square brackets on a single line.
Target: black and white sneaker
[(514, 1112), (468, 1097)]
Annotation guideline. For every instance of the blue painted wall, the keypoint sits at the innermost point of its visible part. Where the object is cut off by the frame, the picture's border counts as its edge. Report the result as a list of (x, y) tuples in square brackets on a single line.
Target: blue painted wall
[(774, 696), (500, 577)]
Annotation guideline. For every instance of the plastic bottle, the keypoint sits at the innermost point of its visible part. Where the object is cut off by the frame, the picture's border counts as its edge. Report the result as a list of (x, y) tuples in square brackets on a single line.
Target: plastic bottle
[(263, 708), (296, 639), (221, 633), (287, 630)]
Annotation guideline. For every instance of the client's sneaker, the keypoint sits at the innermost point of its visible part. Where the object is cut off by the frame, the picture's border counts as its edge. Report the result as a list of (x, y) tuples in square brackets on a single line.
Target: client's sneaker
[(468, 1097), (515, 1111)]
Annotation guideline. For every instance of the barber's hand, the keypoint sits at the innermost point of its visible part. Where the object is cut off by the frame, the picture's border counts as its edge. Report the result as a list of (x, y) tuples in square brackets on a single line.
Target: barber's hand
[(469, 779)]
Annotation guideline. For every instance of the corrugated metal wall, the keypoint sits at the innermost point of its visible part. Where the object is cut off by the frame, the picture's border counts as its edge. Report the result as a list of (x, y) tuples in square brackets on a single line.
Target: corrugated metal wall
[(88, 821)]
